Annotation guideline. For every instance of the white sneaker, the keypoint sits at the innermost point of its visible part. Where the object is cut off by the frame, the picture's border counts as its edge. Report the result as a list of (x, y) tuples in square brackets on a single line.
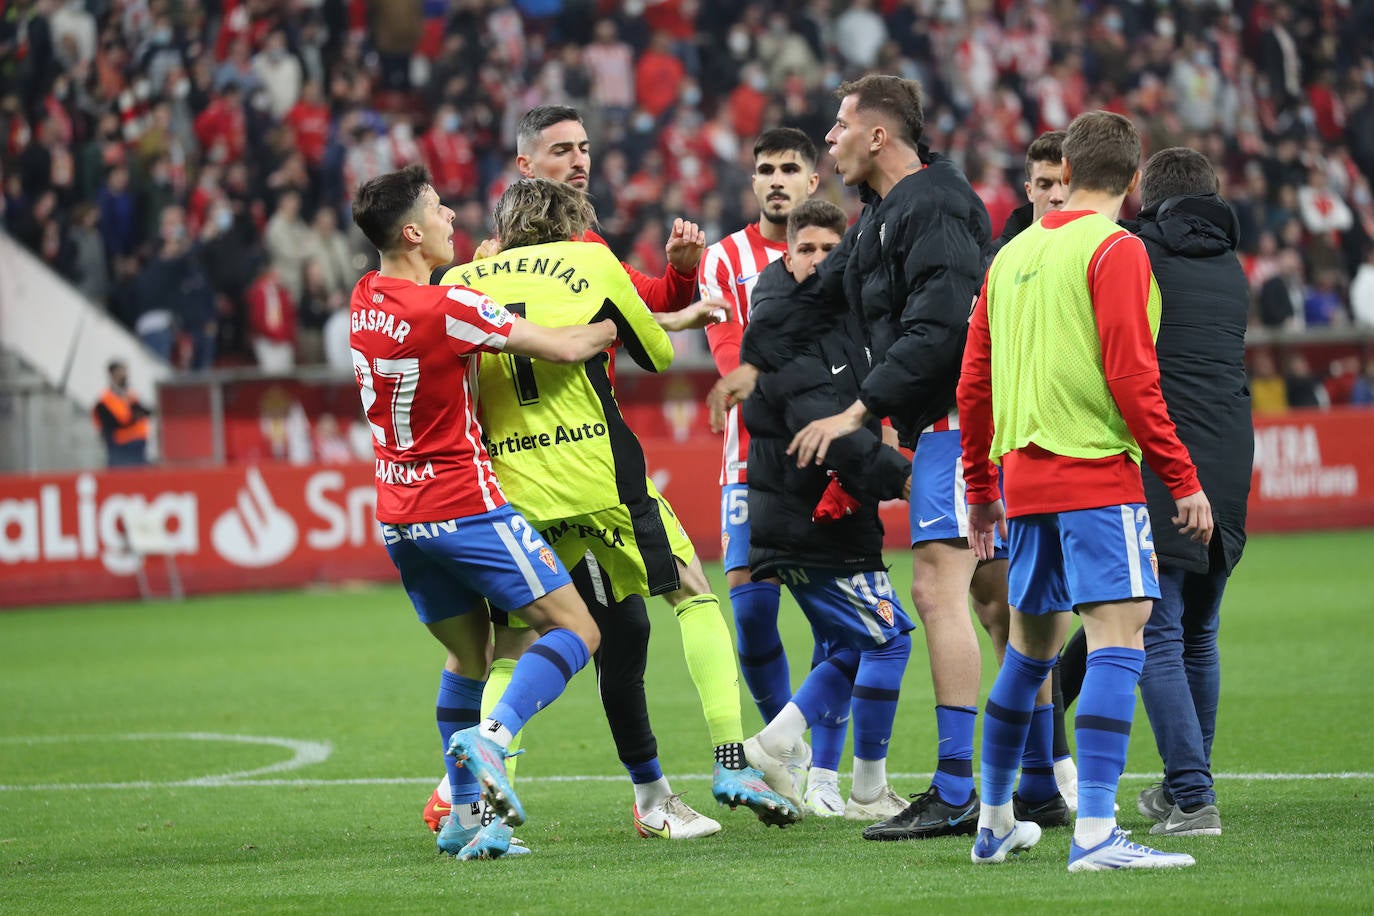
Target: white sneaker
[(1117, 851), (785, 775), (888, 804), (823, 800), (673, 819), (990, 849)]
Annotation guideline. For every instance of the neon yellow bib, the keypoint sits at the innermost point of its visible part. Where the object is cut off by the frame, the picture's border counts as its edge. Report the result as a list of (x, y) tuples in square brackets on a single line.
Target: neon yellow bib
[(1048, 384)]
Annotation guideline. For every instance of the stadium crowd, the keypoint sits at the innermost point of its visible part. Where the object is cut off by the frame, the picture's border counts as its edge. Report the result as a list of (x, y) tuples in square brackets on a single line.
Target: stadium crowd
[(190, 165)]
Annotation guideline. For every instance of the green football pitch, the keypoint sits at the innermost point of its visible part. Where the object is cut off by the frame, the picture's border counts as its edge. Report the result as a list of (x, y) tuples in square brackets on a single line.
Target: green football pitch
[(271, 752)]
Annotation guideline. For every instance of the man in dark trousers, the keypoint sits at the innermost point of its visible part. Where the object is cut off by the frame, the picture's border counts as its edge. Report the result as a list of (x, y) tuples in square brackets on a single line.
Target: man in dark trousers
[(122, 420), (1190, 234)]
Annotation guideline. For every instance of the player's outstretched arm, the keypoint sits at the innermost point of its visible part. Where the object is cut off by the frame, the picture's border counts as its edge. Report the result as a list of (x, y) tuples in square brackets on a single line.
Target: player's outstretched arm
[(698, 315), (569, 344)]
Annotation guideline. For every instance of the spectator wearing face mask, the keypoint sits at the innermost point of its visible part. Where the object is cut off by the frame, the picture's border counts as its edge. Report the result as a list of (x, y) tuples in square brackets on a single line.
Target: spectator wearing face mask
[(449, 156)]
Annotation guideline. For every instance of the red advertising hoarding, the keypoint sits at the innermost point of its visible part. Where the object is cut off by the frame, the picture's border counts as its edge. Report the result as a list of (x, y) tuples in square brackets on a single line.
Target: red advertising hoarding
[(1313, 470), (278, 525)]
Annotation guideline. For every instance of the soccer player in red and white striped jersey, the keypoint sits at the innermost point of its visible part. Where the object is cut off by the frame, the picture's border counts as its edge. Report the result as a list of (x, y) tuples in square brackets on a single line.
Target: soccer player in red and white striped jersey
[(445, 521), (784, 176)]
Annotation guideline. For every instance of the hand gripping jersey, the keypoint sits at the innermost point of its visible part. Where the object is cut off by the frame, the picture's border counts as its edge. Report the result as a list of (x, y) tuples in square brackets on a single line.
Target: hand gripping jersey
[(554, 432), (412, 347)]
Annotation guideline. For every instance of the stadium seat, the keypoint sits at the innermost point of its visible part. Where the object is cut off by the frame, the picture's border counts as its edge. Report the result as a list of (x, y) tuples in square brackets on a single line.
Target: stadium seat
[(146, 532)]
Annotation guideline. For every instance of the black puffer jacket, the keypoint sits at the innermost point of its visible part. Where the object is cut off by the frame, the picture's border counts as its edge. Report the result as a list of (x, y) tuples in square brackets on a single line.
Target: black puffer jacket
[(911, 267), (821, 380), (1205, 301)]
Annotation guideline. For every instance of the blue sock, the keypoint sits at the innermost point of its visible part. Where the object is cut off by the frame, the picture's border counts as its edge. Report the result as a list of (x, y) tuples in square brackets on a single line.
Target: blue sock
[(824, 696), (458, 706), (1102, 727), (876, 688), (540, 676), (648, 771), (1037, 761), (954, 766), (762, 660), (1009, 709), (827, 737)]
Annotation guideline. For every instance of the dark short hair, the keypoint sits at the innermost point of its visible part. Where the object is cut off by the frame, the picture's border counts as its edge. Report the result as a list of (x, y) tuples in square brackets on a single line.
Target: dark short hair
[(113, 365), (537, 120), (1175, 172), (815, 212), (381, 204), (1048, 147), (1103, 152), (897, 99), (536, 211), (785, 140)]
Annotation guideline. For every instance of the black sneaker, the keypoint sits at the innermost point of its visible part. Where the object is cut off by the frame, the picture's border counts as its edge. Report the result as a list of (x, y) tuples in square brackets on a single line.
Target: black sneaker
[(928, 816), (1053, 812)]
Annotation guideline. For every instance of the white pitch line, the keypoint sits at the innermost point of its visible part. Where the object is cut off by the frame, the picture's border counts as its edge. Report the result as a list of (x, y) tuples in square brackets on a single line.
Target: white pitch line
[(309, 753), (222, 782)]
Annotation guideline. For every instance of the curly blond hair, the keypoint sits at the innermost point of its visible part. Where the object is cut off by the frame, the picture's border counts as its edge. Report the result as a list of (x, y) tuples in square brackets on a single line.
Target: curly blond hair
[(535, 211)]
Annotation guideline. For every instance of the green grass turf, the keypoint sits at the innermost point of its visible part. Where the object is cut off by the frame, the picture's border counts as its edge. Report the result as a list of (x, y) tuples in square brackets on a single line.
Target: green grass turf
[(99, 694)]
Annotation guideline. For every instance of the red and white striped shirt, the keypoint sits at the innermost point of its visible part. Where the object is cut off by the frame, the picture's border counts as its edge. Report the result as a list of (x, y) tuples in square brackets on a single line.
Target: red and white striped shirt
[(728, 272), (412, 358)]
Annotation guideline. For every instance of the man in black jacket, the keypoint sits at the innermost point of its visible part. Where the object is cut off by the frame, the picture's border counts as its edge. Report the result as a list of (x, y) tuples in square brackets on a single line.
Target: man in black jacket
[(817, 529), (910, 268), (1044, 185), (1190, 234)]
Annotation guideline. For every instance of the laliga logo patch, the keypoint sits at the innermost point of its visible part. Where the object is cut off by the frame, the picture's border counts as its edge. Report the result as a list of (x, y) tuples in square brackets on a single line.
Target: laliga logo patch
[(885, 611), (492, 312), (546, 555)]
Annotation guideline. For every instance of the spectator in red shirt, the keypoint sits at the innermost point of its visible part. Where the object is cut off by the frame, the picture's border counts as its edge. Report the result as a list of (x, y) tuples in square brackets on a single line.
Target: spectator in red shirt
[(309, 119), (747, 101), (272, 321), (222, 125), (658, 76), (449, 156)]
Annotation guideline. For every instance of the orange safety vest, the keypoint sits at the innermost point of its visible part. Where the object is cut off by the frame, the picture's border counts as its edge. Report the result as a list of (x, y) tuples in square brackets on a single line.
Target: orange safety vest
[(127, 429)]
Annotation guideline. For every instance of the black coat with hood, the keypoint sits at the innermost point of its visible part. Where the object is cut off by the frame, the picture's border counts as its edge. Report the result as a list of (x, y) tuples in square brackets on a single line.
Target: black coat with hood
[(1205, 302), (820, 380), (910, 267)]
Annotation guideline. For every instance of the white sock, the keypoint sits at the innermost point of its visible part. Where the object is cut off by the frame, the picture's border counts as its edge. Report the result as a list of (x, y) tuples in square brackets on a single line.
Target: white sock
[(1066, 777), (649, 794), (997, 818), (819, 776), (870, 778), (500, 734), (445, 792), (469, 814), (783, 735), (1089, 831)]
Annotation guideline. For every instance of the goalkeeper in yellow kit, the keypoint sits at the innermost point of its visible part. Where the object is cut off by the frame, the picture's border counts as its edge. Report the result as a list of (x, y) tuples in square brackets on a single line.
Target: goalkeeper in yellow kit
[(566, 458)]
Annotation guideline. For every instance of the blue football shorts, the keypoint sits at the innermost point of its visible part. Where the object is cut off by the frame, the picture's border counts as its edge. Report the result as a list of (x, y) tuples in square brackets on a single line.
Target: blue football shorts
[(938, 507), (1063, 560), (447, 568), (734, 525), (847, 610)]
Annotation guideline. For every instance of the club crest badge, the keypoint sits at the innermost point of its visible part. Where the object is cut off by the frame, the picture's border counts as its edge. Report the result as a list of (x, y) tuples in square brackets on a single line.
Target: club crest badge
[(885, 611), (549, 559)]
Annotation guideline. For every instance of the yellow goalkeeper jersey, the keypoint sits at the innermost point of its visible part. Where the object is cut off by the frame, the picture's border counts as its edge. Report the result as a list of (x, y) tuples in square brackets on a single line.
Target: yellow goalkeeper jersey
[(554, 432)]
